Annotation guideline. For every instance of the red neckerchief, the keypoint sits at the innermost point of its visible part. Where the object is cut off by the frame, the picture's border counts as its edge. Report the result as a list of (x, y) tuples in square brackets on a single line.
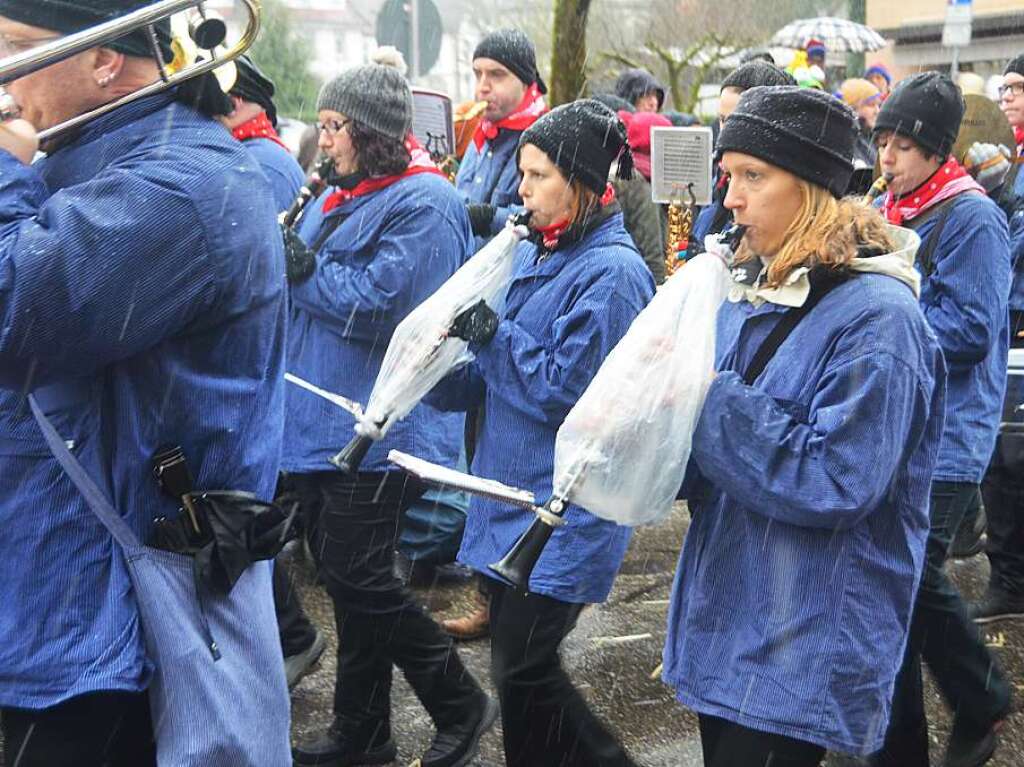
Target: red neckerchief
[(259, 127), (1018, 136), (552, 233), (420, 163), (948, 181), (530, 108)]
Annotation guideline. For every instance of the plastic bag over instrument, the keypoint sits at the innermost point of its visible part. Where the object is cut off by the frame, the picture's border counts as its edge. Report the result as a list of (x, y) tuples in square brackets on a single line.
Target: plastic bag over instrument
[(622, 450), (421, 352)]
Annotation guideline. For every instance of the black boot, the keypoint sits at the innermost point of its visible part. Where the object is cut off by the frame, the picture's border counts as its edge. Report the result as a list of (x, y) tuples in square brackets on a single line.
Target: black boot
[(342, 746), (456, 745)]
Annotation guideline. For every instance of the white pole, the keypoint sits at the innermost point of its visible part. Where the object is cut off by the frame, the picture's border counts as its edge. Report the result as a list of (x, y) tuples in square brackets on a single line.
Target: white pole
[(414, 40)]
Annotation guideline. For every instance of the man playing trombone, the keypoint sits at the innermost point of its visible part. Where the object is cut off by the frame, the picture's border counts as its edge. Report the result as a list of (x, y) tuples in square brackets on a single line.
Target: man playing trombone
[(142, 303)]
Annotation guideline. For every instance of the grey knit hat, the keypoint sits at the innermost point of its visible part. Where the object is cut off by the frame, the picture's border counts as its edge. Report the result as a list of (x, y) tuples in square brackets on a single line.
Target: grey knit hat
[(375, 95)]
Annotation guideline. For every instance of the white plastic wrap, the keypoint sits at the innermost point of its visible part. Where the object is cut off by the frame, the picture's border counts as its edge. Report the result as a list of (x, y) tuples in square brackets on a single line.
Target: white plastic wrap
[(623, 448), (421, 353)]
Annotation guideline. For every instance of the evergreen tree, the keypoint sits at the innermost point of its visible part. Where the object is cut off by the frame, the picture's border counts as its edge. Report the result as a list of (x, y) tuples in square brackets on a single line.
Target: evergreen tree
[(284, 58)]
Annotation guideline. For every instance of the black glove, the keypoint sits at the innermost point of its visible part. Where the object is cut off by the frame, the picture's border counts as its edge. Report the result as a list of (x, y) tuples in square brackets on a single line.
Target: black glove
[(299, 260), (480, 218), (477, 324)]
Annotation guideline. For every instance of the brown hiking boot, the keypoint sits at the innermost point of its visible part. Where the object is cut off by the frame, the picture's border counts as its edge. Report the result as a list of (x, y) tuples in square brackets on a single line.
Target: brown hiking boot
[(476, 625)]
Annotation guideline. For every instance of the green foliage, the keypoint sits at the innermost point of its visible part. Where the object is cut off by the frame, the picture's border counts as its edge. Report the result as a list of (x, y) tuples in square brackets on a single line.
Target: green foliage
[(284, 58)]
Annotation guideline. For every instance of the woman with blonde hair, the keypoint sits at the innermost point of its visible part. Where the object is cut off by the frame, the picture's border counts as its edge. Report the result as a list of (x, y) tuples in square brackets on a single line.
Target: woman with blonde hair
[(811, 462)]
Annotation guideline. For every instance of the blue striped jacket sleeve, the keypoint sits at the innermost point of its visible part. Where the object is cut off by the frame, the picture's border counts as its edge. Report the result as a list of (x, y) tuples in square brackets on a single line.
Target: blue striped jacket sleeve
[(826, 468), (91, 274), (969, 286), (544, 378)]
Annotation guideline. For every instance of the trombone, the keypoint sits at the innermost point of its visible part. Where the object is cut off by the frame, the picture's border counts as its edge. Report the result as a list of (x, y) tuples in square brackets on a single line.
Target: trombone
[(208, 31)]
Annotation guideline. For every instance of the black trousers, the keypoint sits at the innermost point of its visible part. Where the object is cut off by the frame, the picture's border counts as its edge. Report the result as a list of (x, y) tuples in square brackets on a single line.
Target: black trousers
[(354, 525), (1003, 491), (546, 721), (941, 634), (296, 631), (727, 744), (108, 729)]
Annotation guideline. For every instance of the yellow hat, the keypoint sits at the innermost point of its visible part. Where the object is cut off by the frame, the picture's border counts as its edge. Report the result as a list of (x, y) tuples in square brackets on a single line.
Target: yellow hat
[(857, 91)]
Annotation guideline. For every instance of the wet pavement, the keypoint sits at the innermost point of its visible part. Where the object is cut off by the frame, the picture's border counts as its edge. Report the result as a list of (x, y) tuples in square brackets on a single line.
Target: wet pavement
[(612, 655)]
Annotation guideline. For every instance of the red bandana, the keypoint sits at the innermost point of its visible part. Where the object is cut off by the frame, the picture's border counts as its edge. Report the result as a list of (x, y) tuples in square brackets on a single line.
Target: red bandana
[(1018, 136), (259, 127), (552, 233), (420, 163), (530, 108), (948, 181)]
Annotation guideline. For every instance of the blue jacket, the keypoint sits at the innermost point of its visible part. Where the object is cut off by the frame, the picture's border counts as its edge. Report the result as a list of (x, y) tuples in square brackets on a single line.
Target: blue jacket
[(490, 175), (1016, 226), (562, 317), (965, 302), (392, 250), (281, 169), (142, 297), (809, 502)]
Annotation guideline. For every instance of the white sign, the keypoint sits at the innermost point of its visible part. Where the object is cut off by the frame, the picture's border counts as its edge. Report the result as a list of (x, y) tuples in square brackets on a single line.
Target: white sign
[(956, 33), (432, 123), (681, 164)]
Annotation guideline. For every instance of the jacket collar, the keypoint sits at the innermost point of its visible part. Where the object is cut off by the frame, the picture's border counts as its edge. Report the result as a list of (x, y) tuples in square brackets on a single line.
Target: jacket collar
[(117, 119), (898, 264), (554, 261)]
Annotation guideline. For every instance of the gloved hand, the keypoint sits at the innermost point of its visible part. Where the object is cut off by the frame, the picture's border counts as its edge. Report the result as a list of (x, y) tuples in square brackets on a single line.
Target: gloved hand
[(988, 163), (299, 260), (477, 324), (480, 218)]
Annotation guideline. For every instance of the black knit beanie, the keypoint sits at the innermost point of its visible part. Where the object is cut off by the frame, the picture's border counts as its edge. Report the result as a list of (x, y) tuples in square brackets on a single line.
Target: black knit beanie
[(634, 83), (68, 16), (926, 107), (514, 51), (252, 85), (802, 130), (1016, 66), (757, 72), (614, 103), (583, 138)]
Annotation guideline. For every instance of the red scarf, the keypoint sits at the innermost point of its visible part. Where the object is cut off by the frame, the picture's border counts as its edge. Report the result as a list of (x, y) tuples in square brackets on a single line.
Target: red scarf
[(1018, 136), (420, 163), (530, 108), (259, 127), (948, 181), (551, 233)]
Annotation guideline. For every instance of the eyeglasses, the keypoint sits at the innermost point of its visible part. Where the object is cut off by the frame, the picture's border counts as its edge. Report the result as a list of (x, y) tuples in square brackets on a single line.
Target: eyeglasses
[(332, 127), (1012, 89)]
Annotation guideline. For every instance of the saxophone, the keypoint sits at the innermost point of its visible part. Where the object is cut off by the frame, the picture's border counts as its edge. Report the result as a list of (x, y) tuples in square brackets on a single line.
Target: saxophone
[(877, 189), (680, 224)]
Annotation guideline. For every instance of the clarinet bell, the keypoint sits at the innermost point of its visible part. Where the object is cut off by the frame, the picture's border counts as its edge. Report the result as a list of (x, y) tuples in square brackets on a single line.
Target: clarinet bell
[(352, 455), (517, 566)]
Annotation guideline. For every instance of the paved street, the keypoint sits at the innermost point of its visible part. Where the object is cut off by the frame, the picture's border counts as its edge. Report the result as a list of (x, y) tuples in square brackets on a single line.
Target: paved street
[(611, 656)]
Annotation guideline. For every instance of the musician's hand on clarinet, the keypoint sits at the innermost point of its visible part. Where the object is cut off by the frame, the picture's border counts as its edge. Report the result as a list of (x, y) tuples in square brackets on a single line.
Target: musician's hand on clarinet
[(477, 324), (299, 260), (17, 136), (480, 218)]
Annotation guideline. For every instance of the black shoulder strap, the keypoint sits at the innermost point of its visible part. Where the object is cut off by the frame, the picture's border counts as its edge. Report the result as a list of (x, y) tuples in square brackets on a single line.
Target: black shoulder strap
[(788, 323), (926, 253), (326, 230)]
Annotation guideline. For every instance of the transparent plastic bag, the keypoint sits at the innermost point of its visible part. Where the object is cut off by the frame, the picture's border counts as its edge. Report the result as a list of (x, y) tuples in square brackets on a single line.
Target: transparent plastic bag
[(623, 448), (421, 353)]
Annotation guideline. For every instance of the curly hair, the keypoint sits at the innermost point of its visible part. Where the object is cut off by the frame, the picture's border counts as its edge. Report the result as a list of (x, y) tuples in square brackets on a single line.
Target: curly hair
[(825, 232), (377, 154)]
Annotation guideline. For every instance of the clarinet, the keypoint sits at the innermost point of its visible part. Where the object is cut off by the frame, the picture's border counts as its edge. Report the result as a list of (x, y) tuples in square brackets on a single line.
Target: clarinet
[(314, 185)]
